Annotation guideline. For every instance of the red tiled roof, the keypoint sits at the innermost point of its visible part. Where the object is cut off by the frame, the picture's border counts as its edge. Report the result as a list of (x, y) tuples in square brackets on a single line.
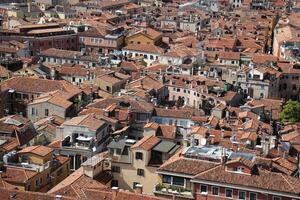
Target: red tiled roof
[(146, 143), (37, 150), (262, 180), (187, 166), (149, 48)]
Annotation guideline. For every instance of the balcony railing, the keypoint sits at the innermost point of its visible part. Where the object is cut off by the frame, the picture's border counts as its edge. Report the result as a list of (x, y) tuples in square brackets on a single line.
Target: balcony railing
[(169, 190), (30, 166)]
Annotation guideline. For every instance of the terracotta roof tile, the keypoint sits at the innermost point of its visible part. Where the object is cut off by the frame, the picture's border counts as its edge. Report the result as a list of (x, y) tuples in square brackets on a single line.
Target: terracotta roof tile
[(37, 150), (146, 143), (187, 166), (262, 180)]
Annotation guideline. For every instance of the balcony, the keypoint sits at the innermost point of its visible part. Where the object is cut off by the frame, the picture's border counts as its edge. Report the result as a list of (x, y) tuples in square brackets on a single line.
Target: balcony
[(170, 190)]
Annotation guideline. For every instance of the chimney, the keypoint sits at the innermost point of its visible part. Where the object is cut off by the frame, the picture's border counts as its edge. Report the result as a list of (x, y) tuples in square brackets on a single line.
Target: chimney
[(223, 156), (185, 142), (212, 139), (138, 189), (115, 191), (29, 7)]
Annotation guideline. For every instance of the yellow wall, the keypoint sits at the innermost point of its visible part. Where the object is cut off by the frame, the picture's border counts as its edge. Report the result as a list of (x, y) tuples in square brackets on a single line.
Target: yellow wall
[(61, 175), (139, 39), (128, 174), (39, 160), (13, 13), (20, 187)]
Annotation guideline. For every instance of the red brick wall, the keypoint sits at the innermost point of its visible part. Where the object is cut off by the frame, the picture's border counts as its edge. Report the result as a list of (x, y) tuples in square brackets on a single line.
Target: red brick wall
[(221, 196)]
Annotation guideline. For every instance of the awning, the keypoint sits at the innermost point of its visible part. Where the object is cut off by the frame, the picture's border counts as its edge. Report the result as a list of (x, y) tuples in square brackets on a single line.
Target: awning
[(84, 139)]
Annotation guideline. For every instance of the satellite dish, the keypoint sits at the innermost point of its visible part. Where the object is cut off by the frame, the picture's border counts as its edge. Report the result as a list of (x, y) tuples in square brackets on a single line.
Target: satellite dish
[(203, 142)]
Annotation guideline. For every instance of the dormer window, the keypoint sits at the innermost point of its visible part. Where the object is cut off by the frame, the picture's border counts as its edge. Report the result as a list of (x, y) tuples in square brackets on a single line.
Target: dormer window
[(239, 169)]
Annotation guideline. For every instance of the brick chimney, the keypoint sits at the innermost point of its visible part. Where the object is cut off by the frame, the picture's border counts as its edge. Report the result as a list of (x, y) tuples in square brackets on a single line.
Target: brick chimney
[(115, 191), (138, 189)]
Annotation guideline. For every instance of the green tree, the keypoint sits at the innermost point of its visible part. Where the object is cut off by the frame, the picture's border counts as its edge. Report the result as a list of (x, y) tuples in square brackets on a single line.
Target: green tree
[(291, 112)]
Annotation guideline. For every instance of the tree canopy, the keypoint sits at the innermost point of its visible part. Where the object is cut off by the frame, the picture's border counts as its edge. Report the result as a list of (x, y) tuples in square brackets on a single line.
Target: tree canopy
[(291, 112)]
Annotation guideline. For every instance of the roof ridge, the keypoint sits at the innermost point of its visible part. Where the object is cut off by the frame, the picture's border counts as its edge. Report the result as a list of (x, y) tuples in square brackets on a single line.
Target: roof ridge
[(84, 118)]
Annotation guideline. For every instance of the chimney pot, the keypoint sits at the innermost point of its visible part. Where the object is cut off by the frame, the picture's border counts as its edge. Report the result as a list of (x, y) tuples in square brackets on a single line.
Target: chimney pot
[(115, 191), (138, 189)]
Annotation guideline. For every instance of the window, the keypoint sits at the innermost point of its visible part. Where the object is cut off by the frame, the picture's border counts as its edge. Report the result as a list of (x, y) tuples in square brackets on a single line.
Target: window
[(33, 111), (46, 112), (178, 89), (114, 183), (276, 198), (73, 79), (238, 169), (253, 196), (140, 172), (228, 192), (203, 189), (261, 95), (18, 95), (178, 181), (134, 184), (242, 195), (215, 191), (115, 169), (139, 156), (25, 96), (284, 86), (126, 150), (167, 179)]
